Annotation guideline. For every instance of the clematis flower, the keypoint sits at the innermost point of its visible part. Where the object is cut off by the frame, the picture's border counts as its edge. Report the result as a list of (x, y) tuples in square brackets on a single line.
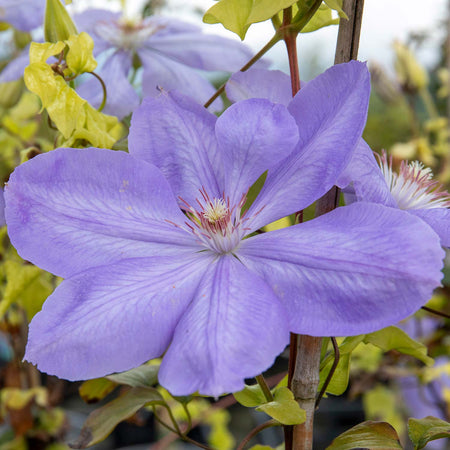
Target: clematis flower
[(25, 15), (158, 250), (411, 189), (171, 53)]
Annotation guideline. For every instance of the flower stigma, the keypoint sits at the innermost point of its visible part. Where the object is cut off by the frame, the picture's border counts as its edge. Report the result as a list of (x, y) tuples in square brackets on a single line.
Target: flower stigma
[(126, 33), (413, 186), (217, 225)]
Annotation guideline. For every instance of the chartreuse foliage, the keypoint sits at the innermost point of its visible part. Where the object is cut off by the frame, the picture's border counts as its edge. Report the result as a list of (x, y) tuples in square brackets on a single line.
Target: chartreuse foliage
[(367, 435), (22, 284), (390, 338), (142, 380), (283, 408), (73, 116), (422, 431), (238, 15)]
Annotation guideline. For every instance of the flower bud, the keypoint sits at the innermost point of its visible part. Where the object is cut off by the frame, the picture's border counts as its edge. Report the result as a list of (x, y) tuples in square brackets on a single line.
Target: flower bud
[(58, 25), (411, 75)]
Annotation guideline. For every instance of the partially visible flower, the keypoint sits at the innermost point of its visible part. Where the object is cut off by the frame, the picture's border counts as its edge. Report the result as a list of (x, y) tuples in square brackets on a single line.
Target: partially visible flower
[(412, 188), (160, 256), (25, 15), (171, 53)]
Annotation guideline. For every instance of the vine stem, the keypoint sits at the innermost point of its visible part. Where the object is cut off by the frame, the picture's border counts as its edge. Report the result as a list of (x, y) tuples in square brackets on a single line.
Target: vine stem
[(255, 431), (264, 387), (276, 38), (305, 379)]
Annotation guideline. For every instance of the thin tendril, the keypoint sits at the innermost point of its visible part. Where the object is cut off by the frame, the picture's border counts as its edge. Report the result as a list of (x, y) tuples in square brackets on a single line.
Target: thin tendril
[(437, 313), (102, 105), (255, 431), (331, 372)]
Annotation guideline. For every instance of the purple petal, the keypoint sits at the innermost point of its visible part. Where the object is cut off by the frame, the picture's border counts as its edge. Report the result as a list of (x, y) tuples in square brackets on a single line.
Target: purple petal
[(15, 68), (259, 83), (438, 219), (93, 21), (355, 270), (25, 15), (163, 72), (122, 99), (233, 330), (112, 318), (368, 182), (331, 113), (248, 133), (2, 208), (72, 209), (201, 51), (176, 134)]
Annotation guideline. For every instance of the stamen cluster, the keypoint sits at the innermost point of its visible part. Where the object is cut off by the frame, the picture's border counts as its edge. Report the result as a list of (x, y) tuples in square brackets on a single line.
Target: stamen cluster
[(218, 225), (413, 186), (127, 34)]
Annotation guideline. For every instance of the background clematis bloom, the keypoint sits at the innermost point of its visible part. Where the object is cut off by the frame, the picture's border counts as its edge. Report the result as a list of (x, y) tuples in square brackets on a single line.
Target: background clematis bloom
[(158, 254), (411, 189), (171, 53)]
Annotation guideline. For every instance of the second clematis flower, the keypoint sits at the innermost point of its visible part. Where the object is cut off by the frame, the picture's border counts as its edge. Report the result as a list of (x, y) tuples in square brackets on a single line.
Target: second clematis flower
[(411, 189), (160, 255)]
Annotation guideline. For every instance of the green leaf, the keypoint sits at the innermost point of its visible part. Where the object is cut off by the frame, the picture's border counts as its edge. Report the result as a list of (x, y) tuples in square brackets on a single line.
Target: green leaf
[(339, 381), (380, 403), (265, 9), (368, 436), (422, 431), (219, 436), (284, 408), (26, 285), (337, 6), (74, 117), (250, 396), (102, 421), (261, 447), (142, 376), (322, 18), (232, 14), (92, 391), (393, 338), (41, 52), (79, 57)]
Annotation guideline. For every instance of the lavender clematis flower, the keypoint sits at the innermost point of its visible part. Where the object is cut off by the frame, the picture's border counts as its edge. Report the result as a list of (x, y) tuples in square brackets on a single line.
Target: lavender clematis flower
[(143, 278), (171, 52), (412, 189), (25, 15)]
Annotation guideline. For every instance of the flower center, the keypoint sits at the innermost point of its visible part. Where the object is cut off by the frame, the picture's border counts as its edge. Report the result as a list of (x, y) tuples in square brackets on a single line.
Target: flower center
[(413, 186), (125, 33), (216, 224)]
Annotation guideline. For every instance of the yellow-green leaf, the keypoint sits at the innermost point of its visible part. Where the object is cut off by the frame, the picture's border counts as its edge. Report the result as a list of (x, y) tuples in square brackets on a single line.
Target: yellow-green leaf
[(232, 14), (367, 435), (26, 285), (92, 391), (250, 396), (422, 431), (142, 376), (265, 9), (74, 117), (41, 52), (322, 18), (79, 57), (102, 421), (393, 338), (380, 403), (284, 408), (337, 6)]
